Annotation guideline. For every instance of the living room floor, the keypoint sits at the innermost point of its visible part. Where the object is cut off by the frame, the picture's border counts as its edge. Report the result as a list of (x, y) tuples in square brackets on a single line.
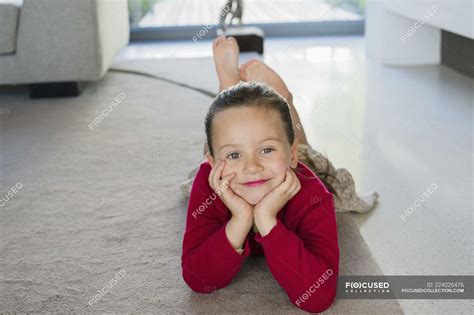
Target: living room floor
[(395, 129), (101, 199)]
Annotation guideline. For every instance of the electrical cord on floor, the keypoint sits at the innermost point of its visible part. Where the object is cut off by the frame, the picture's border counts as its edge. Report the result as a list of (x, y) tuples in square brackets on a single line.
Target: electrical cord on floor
[(202, 91)]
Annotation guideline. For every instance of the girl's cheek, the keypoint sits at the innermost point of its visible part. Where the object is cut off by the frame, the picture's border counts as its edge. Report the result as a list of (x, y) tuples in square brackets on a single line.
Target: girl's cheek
[(280, 179), (227, 169), (280, 167), (280, 173), (233, 186)]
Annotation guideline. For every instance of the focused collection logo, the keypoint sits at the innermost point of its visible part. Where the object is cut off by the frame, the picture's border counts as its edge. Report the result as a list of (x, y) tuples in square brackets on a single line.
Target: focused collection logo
[(367, 286)]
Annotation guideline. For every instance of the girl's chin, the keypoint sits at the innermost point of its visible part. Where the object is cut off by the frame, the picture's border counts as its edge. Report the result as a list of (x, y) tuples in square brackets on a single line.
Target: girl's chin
[(252, 198), (252, 201), (252, 195)]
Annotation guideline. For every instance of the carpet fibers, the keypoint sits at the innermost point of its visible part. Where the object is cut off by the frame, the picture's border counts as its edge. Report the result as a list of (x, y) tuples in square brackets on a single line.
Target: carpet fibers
[(99, 204)]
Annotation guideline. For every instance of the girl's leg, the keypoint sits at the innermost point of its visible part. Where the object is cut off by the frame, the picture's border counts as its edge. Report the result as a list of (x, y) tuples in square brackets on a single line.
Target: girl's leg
[(256, 70), (226, 60)]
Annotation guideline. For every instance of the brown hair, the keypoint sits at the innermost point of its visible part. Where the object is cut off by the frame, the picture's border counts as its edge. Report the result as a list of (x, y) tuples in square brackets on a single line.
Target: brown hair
[(262, 96)]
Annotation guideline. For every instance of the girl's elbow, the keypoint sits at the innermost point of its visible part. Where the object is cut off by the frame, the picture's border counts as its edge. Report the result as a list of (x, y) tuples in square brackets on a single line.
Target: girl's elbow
[(317, 305), (193, 283), (316, 302), (197, 285), (204, 289), (199, 288)]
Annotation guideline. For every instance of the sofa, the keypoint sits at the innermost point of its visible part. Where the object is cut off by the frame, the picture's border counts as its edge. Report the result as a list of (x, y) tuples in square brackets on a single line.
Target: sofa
[(57, 44)]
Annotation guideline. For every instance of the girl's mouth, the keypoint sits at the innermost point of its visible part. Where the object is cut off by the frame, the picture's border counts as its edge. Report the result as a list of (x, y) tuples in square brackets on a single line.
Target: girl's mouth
[(255, 183)]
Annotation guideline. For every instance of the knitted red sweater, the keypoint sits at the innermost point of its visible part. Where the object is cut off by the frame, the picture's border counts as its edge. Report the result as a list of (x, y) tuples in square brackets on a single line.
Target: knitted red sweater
[(301, 251)]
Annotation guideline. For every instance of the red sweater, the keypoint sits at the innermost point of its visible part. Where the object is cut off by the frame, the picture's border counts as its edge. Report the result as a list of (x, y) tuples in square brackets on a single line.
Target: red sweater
[(301, 251)]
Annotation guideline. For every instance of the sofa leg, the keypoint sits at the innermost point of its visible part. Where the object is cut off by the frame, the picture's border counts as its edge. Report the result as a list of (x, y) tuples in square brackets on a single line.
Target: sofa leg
[(55, 89)]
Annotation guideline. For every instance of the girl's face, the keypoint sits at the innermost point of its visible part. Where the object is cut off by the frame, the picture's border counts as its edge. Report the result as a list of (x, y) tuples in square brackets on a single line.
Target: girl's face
[(254, 144)]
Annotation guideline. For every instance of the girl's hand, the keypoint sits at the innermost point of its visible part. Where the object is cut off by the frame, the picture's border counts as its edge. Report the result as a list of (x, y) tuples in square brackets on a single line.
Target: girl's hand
[(237, 205), (276, 199)]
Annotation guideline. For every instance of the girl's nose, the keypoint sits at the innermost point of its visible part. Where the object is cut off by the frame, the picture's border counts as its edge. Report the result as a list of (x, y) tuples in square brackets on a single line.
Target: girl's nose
[(252, 166)]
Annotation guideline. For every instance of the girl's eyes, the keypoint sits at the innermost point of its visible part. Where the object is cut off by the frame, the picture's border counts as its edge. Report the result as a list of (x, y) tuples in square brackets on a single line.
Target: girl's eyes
[(235, 155), (269, 150)]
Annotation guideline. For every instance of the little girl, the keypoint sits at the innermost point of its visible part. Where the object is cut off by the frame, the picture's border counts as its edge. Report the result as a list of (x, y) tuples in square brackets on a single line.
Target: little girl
[(253, 178)]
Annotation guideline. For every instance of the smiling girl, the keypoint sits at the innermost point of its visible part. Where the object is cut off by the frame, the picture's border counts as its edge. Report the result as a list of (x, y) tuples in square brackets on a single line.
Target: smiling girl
[(253, 178)]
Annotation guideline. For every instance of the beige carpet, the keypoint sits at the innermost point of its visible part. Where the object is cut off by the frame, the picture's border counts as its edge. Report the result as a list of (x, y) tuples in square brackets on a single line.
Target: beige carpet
[(94, 203)]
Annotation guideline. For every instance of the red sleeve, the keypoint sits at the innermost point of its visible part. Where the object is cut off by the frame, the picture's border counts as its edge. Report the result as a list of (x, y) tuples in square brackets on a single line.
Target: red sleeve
[(306, 263), (209, 262)]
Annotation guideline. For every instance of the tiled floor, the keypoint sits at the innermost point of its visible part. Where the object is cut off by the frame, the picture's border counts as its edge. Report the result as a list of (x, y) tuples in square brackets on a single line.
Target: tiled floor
[(398, 130)]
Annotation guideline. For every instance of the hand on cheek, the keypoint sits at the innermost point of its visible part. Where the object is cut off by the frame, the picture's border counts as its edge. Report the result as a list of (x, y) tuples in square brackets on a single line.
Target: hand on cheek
[(265, 212), (221, 184)]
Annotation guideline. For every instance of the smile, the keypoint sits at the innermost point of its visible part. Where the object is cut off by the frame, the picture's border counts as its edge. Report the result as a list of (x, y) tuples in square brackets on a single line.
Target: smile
[(256, 183)]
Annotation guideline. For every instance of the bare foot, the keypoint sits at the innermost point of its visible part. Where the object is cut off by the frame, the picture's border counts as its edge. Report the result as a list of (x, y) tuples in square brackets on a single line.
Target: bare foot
[(256, 70), (226, 59)]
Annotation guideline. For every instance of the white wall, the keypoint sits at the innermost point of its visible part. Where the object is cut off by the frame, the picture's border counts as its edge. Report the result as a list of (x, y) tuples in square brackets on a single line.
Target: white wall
[(408, 32)]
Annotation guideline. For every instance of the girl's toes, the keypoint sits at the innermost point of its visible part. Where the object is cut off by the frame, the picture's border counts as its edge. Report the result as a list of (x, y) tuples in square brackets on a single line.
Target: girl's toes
[(251, 62), (215, 42), (245, 65), (243, 74), (231, 40)]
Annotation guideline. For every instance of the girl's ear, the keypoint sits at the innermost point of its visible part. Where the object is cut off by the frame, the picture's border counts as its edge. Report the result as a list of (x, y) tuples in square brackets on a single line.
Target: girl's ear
[(294, 154), (210, 159)]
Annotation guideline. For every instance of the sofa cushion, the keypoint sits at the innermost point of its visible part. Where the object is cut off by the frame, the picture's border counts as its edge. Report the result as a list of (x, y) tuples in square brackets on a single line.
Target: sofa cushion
[(9, 15)]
